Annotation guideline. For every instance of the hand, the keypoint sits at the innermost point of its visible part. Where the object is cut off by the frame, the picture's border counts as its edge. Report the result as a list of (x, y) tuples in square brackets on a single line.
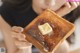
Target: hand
[(21, 44), (61, 7), (67, 8), (15, 41)]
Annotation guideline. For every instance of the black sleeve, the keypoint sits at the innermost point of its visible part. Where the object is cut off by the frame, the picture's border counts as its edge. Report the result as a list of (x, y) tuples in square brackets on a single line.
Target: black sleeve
[(21, 15), (16, 2)]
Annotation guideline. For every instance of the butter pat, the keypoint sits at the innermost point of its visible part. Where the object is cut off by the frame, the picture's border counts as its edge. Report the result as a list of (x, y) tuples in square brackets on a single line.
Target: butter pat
[(45, 28)]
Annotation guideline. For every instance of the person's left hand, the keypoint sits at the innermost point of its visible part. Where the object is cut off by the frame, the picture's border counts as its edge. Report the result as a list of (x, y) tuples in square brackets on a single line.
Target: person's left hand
[(22, 45)]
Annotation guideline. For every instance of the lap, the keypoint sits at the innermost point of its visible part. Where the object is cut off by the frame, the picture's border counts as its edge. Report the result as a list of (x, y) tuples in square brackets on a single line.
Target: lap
[(1, 40)]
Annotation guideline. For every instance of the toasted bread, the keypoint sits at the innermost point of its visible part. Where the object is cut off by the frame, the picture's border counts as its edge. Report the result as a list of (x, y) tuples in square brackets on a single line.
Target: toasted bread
[(47, 31)]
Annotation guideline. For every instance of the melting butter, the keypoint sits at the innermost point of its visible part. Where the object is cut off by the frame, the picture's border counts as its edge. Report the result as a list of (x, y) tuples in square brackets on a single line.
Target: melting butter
[(45, 28)]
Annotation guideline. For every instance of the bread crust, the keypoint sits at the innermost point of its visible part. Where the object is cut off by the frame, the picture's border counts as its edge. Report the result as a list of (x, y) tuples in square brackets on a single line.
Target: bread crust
[(61, 30)]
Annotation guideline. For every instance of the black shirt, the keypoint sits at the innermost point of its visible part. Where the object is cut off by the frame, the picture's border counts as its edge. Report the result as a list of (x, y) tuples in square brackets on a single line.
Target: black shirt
[(17, 12)]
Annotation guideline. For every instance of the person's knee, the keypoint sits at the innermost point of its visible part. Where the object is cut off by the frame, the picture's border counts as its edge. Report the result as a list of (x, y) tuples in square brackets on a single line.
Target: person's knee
[(1, 36)]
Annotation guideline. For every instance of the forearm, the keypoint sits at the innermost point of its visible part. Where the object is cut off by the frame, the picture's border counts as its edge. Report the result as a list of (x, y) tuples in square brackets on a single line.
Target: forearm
[(6, 28)]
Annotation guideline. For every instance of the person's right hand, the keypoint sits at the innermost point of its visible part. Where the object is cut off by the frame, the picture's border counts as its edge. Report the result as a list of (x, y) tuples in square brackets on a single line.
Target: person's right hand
[(67, 8), (61, 7)]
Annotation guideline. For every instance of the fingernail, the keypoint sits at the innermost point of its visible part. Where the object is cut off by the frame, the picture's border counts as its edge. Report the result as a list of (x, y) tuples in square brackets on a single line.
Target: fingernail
[(17, 29)]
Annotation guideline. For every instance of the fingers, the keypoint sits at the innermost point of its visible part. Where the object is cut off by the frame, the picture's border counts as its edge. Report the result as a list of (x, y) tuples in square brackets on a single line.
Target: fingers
[(17, 29), (19, 36), (77, 3), (22, 45), (73, 5), (64, 10), (68, 5), (67, 8), (17, 33)]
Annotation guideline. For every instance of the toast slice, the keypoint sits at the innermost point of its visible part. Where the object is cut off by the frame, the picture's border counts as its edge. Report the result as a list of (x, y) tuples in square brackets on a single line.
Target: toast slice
[(47, 31)]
